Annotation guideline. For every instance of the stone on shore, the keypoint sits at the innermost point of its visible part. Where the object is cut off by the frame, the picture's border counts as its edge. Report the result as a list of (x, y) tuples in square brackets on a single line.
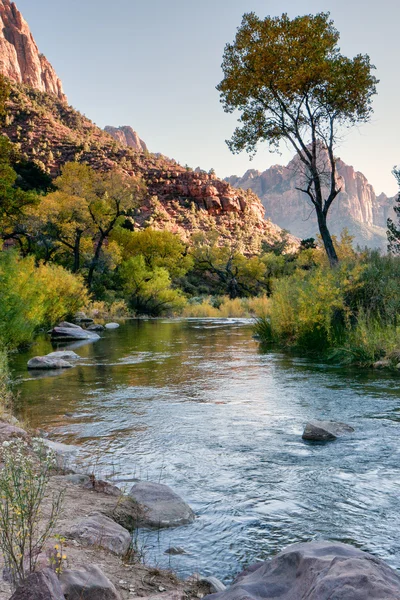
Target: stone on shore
[(81, 317), (325, 431), (63, 355), (96, 327), (316, 571), (111, 325), (43, 585), (66, 334), (70, 325), (46, 363), (89, 583), (99, 530), (160, 505), (9, 432)]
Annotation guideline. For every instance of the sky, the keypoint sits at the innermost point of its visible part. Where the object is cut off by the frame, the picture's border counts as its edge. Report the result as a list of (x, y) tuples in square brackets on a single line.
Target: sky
[(154, 66)]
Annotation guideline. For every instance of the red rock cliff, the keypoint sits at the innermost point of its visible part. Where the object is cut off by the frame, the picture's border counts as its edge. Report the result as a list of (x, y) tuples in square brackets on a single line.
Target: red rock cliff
[(20, 59), (127, 136)]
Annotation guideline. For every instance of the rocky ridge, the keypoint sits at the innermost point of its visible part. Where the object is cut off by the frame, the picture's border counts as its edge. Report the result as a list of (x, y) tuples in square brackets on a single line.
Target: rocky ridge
[(20, 59), (357, 207), (126, 136)]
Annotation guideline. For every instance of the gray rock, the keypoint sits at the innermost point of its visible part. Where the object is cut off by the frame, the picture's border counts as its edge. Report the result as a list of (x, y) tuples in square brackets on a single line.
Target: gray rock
[(111, 325), (46, 363), (382, 364), (81, 317), (89, 583), (325, 431), (175, 551), (161, 506), (96, 327), (67, 324), (64, 355), (103, 487), (316, 571), (43, 585), (73, 333), (77, 479), (99, 530), (215, 584)]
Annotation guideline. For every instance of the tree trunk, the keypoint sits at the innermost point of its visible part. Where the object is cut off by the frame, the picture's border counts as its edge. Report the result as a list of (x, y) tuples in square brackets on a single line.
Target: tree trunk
[(95, 260), (77, 253), (327, 239)]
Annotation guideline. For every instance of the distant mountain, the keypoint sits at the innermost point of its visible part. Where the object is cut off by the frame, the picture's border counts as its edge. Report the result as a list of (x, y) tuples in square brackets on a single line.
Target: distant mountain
[(20, 59), (357, 207), (127, 136)]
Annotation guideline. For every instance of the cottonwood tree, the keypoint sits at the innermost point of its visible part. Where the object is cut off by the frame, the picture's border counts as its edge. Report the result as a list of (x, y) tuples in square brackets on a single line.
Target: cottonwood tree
[(291, 84), (393, 232)]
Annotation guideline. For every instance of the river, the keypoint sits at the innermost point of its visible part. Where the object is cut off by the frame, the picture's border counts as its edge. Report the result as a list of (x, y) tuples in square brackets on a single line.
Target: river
[(194, 404)]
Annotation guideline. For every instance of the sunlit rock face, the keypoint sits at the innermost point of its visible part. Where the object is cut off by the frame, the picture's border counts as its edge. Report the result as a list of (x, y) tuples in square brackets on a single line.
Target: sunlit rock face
[(357, 207), (20, 59), (127, 136)]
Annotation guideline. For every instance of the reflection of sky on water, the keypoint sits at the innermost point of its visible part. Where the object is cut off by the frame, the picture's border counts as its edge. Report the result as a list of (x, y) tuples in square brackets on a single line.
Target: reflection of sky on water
[(195, 405)]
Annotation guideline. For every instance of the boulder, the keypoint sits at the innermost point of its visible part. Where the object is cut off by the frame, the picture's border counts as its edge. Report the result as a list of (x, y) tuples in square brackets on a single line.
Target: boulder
[(81, 317), (316, 571), (161, 506), (72, 333), (215, 584), (325, 431), (89, 583), (47, 363), (9, 432), (95, 327), (67, 324), (111, 325), (382, 364), (99, 530), (43, 585), (63, 355)]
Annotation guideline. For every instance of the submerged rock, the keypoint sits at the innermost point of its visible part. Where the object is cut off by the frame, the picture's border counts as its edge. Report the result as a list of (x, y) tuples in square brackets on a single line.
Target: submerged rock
[(64, 355), (161, 506), (73, 333), (88, 583), (316, 571), (99, 530), (325, 431), (46, 362)]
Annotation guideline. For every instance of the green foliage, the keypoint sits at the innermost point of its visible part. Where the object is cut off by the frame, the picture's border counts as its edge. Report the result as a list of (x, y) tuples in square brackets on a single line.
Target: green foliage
[(159, 249), (149, 291), (34, 297), (23, 483)]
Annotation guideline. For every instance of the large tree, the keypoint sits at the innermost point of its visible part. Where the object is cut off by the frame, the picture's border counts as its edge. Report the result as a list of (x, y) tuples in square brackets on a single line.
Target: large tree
[(291, 84), (393, 232)]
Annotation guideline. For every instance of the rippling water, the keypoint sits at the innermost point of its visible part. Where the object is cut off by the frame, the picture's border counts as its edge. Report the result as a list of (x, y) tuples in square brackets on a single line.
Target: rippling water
[(195, 405)]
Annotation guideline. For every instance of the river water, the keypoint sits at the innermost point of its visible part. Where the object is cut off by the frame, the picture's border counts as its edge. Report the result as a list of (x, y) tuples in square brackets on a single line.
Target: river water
[(194, 404)]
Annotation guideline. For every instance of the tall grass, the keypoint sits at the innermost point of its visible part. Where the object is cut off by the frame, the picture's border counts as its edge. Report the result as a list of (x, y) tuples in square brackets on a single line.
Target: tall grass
[(225, 307)]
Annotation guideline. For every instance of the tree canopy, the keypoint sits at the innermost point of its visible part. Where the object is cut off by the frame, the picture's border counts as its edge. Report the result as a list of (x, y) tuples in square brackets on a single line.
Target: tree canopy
[(290, 82)]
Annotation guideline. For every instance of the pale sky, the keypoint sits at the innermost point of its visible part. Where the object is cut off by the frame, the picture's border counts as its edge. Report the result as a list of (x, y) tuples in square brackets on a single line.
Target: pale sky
[(154, 66)]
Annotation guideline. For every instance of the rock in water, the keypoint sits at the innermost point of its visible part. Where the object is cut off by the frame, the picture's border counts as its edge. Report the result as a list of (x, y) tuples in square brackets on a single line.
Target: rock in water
[(64, 355), (161, 506), (45, 362), (43, 585), (325, 431), (99, 530), (72, 333), (316, 571), (89, 583), (95, 327), (111, 325)]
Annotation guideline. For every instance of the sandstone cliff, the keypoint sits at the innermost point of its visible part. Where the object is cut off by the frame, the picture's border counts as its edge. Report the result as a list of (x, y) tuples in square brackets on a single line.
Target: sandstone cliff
[(127, 136), (357, 207), (20, 59)]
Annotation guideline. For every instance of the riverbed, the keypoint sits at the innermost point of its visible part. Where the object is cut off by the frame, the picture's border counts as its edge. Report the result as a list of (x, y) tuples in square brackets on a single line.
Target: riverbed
[(196, 405)]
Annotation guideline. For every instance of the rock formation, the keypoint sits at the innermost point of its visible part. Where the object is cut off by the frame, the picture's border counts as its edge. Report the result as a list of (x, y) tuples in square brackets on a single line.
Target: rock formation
[(127, 137), (20, 59), (357, 207)]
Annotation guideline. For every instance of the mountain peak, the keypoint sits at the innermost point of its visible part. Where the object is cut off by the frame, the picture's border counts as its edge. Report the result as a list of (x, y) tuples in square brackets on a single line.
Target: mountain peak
[(127, 136), (20, 59)]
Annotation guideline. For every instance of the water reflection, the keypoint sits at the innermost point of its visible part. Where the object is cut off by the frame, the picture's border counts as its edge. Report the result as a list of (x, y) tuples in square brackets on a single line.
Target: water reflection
[(195, 405)]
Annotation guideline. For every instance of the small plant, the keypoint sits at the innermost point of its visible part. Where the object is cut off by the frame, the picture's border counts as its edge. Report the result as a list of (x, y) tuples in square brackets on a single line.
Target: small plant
[(57, 555), (23, 484)]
